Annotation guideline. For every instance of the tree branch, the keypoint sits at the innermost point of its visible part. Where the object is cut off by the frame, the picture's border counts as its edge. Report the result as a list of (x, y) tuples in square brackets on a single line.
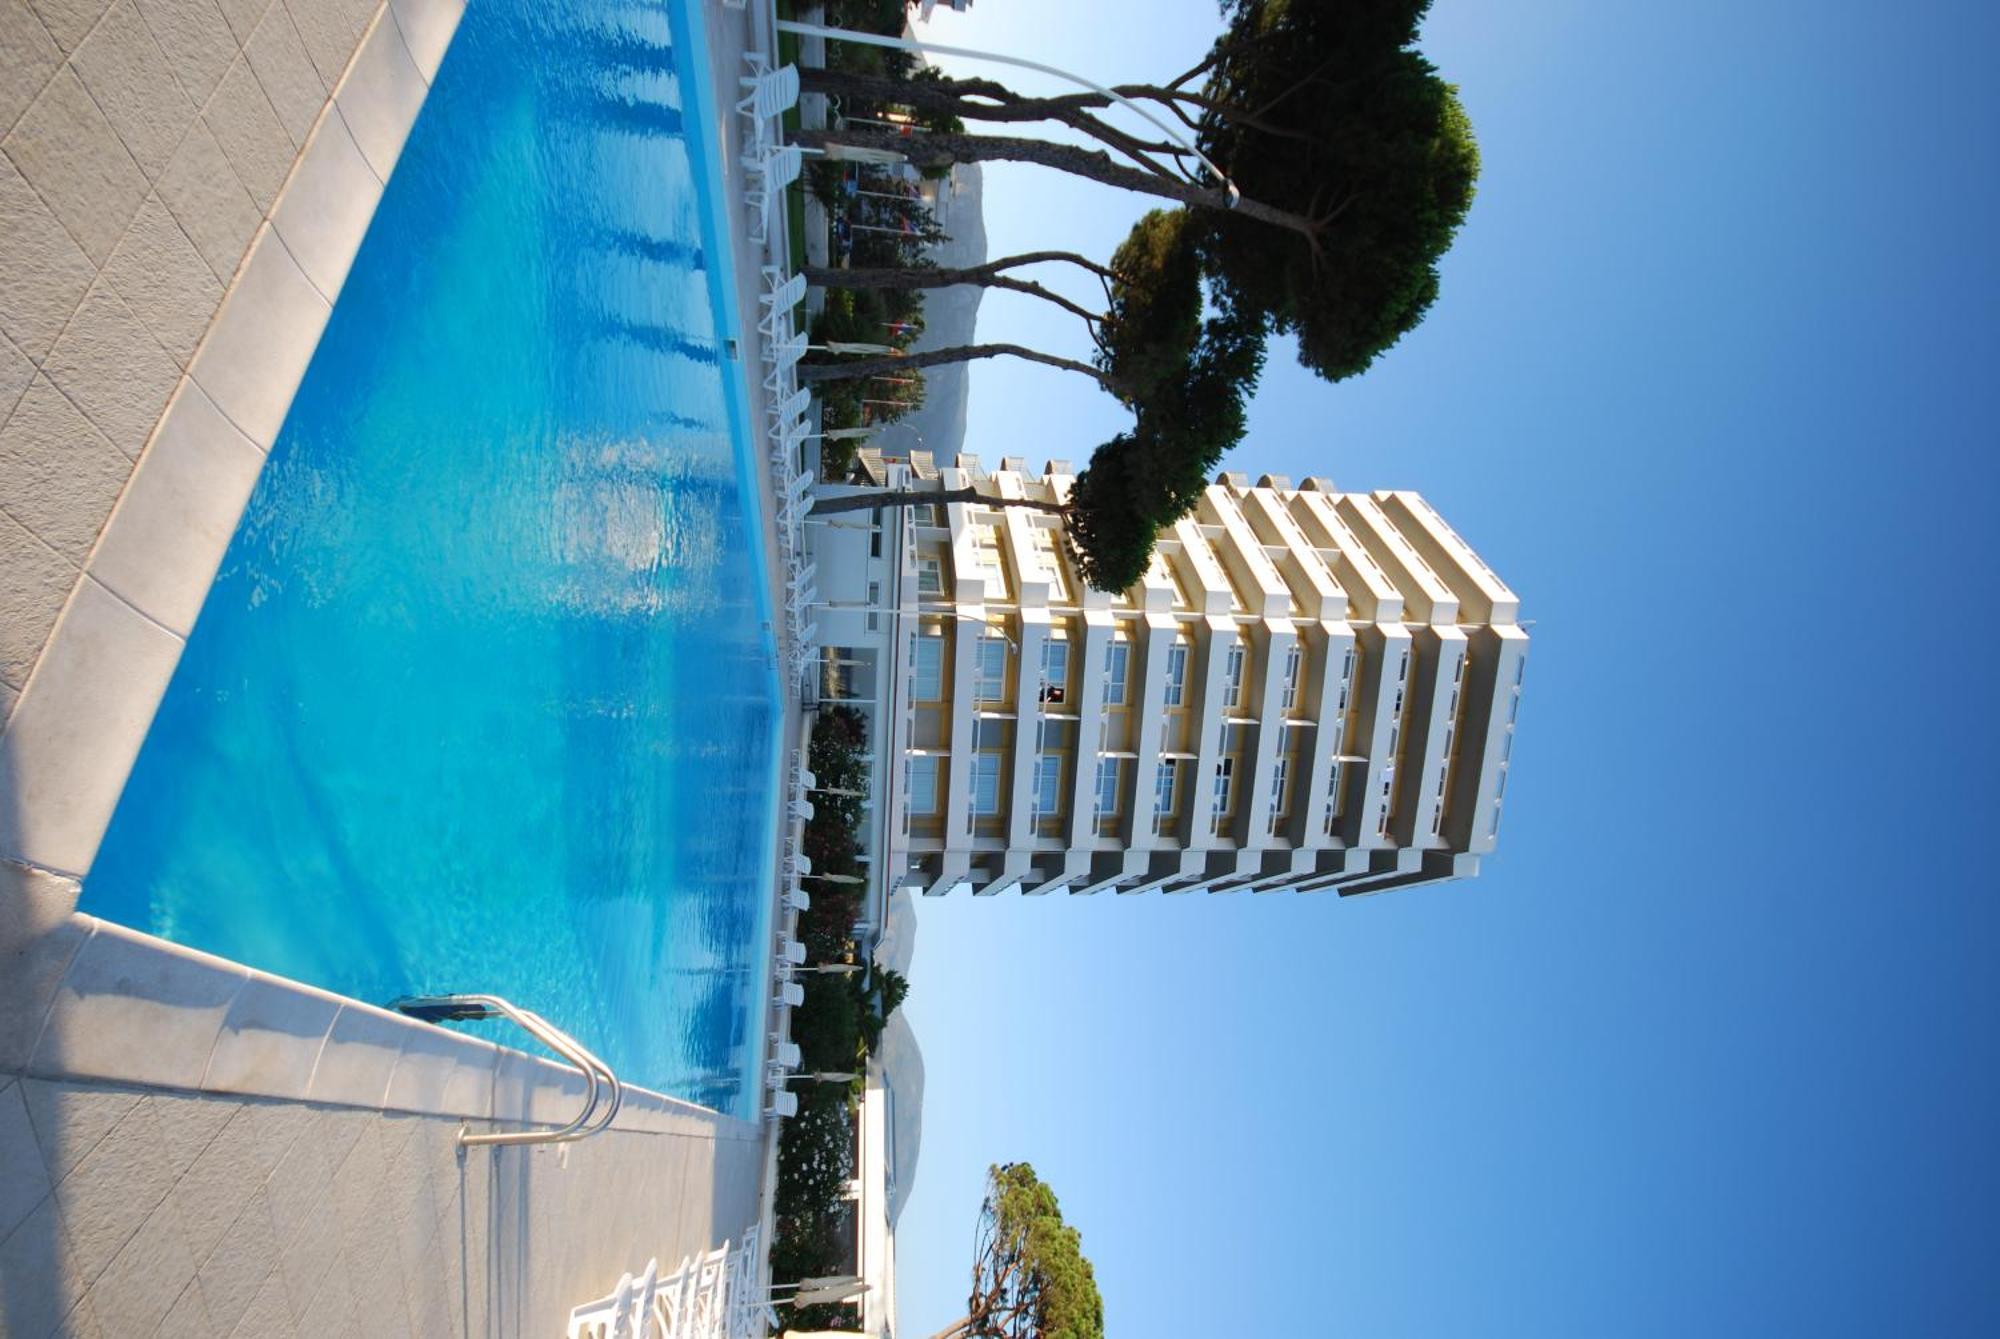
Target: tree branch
[(813, 373)]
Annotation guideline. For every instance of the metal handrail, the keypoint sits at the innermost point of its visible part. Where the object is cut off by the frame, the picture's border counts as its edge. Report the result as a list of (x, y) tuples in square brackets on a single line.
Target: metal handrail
[(597, 1075)]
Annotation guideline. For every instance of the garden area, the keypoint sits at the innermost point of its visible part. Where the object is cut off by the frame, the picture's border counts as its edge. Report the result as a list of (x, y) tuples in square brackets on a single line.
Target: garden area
[(847, 1004)]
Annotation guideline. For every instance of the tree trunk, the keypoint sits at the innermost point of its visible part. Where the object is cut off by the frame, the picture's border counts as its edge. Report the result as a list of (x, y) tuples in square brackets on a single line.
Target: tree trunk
[(918, 276), (916, 497), (958, 1328), (813, 373), (944, 150)]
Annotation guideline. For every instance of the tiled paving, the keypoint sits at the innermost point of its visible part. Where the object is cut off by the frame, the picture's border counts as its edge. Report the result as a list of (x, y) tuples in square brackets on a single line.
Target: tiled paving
[(142, 142), (131, 1212)]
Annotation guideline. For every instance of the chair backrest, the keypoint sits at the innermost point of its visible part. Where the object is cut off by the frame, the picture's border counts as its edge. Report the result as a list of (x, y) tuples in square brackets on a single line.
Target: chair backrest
[(787, 294), (793, 952), (781, 167), (778, 91), (785, 1105), (792, 993), (788, 1053), (795, 404)]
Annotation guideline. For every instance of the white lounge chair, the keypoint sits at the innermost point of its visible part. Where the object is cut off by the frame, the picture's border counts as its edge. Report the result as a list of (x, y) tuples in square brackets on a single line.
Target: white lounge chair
[(797, 865), (782, 354), (623, 1314), (784, 1105), (772, 94), (798, 899), (800, 809), (791, 408), (792, 951), (779, 299), (791, 993), (770, 174), (787, 1054)]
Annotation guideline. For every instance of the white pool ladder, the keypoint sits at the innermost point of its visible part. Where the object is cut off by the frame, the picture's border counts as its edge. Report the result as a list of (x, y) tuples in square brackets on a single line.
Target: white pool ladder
[(601, 1085)]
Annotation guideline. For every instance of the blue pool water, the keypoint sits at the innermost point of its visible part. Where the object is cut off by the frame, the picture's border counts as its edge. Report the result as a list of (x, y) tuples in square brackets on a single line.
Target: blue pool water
[(485, 695)]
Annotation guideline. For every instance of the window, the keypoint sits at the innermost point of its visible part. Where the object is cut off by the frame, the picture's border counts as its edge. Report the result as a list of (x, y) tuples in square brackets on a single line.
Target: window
[(1055, 671), (1177, 656), (875, 540), (1403, 668), (926, 667), (985, 784), (1346, 679), (989, 669), (1117, 665), (1232, 677), (920, 784), (1281, 800), (1105, 809), (1225, 772), (1294, 659), (874, 603), (1048, 780), (1335, 798), (1166, 784), (930, 576)]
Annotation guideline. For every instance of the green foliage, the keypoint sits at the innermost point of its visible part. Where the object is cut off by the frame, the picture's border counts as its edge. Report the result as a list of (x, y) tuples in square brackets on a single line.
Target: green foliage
[(1142, 481), (1032, 1278), (1327, 111), (1149, 331), (881, 996), (864, 316), (815, 1155)]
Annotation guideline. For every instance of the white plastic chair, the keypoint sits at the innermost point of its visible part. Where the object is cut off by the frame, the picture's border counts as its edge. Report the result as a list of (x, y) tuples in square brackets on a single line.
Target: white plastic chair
[(791, 993), (787, 1054), (792, 408), (797, 865), (772, 94), (792, 951), (779, 298), (623, 1314), (800, 809), (784, 1105), (769, 176), (798, 899)]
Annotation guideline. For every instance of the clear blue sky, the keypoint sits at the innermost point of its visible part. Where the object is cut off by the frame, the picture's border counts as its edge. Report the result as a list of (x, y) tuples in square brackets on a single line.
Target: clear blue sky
[(1709, 1048)]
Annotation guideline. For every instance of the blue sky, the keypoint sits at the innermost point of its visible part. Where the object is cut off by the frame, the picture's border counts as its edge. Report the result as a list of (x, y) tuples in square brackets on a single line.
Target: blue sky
[(1709, 1047)]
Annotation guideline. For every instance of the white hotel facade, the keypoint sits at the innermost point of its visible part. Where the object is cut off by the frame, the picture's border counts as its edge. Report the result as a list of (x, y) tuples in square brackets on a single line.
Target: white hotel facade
[(1308, 690)]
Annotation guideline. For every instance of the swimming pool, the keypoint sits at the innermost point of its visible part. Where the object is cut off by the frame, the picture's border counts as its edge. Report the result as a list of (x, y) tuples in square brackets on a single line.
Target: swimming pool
[(485, 694)]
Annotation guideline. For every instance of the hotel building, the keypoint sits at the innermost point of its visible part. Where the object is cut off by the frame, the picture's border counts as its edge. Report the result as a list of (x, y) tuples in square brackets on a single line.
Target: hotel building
[(1308, 690)]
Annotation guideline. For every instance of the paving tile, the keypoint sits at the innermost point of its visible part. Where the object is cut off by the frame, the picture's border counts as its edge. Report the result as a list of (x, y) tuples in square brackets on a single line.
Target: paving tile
[(247, 127), (269, 1316), (377, 1280), (159, 553), (197, 41), (28, 56), (34, 582), (243, 16), (82, 1322), (59, 475), (113, 368), (307, 1255), (71, 1119), (427, 27), (113, 1190), (9, 695), (189, 1316), (256, 355), (133, 1295), (217, 1187), (278, 58), (165, 280), (43, 272), (38, 941), (269, 1130), (209, 201), (76, 162), (329, 1312), (357, 1200), (69, 21), (300, 1185), (132, 82), (189, 1124), (330, 32), (131, 1006), (381, 97), (39, 1283), (328, 205), (24, 1177), (243, 1261), (16, 371)]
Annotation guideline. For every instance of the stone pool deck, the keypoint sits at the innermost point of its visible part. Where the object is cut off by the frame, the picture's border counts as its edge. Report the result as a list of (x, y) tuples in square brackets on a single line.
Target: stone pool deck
[(187, 1147)]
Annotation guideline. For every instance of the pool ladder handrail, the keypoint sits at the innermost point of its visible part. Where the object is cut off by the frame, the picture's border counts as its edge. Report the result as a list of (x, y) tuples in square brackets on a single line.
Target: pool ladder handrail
[(597, 1075)]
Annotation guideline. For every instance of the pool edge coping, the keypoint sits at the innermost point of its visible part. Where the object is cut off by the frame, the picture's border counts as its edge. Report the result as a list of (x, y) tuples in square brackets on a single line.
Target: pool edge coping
[(75, 732), (88, 999)]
